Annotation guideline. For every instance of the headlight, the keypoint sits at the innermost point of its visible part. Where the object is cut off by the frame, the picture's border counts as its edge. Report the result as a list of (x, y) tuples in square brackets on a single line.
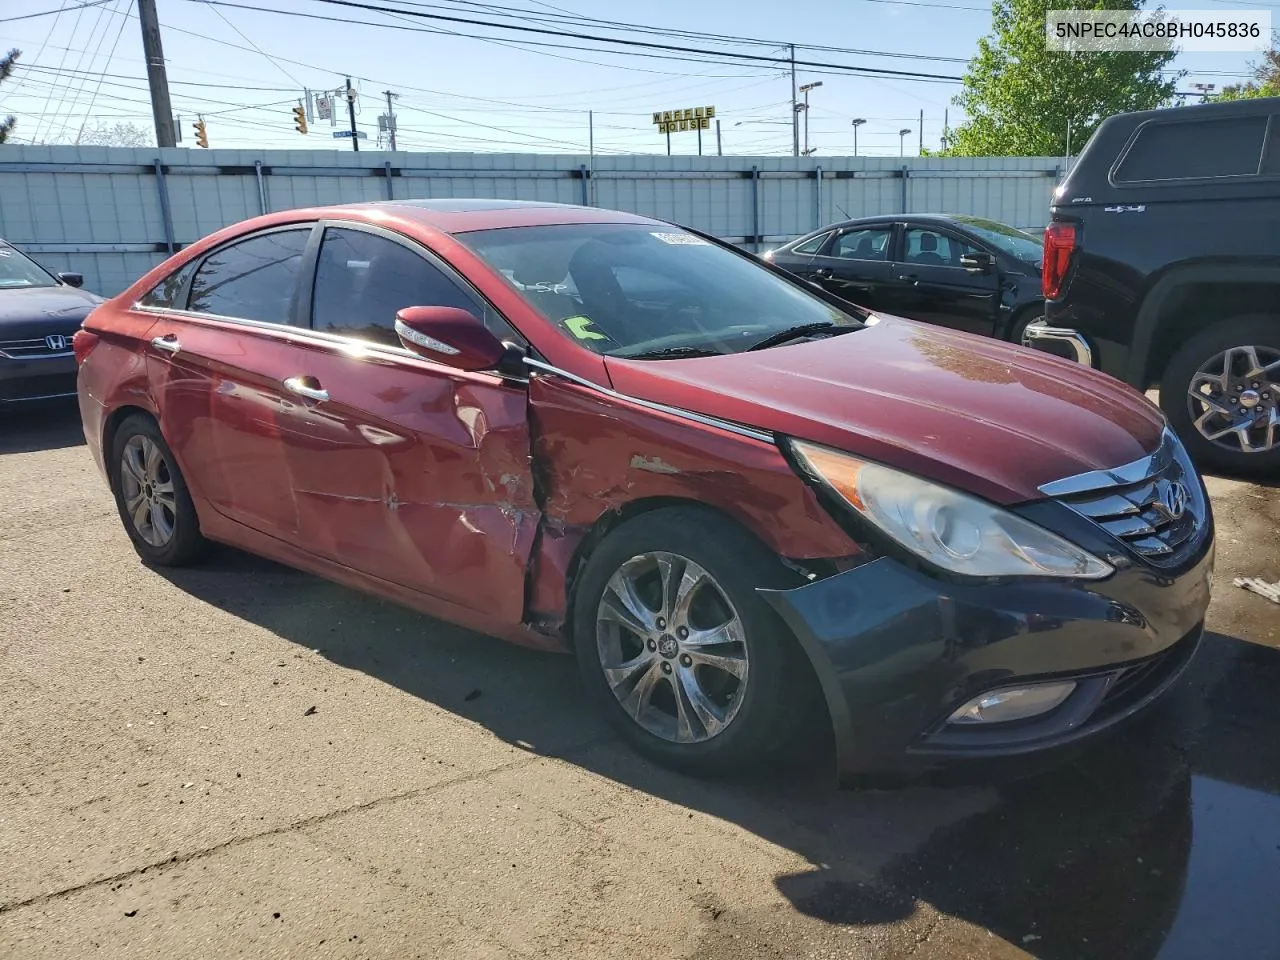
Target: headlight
[(952, 530)]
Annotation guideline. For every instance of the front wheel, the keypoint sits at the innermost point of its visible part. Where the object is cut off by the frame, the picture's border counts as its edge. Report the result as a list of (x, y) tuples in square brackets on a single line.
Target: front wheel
[(676, 647), (1221, 393)]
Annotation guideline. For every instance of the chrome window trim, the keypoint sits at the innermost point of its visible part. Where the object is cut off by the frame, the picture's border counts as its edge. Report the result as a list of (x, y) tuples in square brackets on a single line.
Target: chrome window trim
[(689, 415), (353, 344), (1133, 472)]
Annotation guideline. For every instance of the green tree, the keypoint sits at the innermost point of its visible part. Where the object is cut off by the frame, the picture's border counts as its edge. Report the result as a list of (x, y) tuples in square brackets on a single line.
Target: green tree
[(1020, 97), (1266, 78), (6, 69)]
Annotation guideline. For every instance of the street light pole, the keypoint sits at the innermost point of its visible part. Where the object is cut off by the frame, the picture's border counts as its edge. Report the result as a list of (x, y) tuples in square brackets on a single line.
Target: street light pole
[(902, 140), (805, 90), (856, 124)]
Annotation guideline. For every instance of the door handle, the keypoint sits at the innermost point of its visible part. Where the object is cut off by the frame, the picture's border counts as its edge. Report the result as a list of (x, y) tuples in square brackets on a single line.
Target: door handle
[(823, 272), (168, 343), (298, 385), (909, 278)]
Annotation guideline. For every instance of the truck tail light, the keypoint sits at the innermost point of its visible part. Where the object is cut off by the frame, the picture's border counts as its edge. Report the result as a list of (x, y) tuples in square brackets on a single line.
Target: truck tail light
[(1059, 242), (82, 344)]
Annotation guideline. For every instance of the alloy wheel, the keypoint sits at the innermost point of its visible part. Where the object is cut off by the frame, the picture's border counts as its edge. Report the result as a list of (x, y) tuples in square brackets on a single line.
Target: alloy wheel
[(673, 647), (146, 484), (1234, 399)]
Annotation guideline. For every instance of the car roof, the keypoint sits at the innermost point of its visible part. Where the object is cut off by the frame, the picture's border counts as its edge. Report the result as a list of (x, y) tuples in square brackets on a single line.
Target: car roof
[(459, 215)]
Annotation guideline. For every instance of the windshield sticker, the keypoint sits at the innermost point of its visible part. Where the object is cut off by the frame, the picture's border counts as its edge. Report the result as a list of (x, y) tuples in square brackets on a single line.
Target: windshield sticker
[(579, 327), (685, 239)]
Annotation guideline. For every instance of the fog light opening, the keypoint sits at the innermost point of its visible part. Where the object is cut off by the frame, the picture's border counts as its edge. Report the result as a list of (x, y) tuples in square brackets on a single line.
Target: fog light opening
[(1013, 703)]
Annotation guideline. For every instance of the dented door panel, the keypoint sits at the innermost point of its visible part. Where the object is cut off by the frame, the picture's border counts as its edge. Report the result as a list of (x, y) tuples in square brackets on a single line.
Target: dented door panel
[(595, 454), (416, 474)]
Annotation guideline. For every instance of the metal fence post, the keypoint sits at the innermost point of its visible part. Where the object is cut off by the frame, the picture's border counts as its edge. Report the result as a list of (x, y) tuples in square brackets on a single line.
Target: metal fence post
[(586, 185), (165, 215), (755, 210), (386, 169), (262, 186), (817, 219), (905, 174)]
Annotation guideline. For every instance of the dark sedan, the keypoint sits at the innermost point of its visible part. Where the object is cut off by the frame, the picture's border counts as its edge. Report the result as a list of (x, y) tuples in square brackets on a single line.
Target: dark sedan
[(961, 272), (39, 314)]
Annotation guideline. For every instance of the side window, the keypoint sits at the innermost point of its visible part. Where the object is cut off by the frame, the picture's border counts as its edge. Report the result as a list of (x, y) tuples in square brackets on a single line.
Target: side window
[(927, 247), (167, 292), (363, 279), (255, 279), (869, 244), (812, 246), (1182, 151)]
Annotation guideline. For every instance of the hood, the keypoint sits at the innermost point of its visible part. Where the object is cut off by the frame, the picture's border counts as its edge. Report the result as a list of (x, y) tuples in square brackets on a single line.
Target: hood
[(37, 311), (981, 415)]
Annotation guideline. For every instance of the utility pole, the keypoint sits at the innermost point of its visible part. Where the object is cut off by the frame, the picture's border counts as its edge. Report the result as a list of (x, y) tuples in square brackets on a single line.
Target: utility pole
[(351, 115), (795, 107), (718, 151), (921, 153), (946, 129), (152, 50), (391, 118)]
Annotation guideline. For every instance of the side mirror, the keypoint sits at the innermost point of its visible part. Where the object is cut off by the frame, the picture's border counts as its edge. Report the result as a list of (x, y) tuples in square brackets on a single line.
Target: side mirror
[(977, 262), (72, 279), (451, 336)]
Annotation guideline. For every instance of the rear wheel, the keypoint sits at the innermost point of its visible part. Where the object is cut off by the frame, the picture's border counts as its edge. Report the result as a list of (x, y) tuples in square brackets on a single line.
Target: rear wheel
[(680, 652), (1221, 392), (152, 496)]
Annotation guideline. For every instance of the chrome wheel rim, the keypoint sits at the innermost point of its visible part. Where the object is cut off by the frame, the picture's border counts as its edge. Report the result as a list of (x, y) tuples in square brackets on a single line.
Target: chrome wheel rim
[(1234, 399), (673, 647), (147, 488)]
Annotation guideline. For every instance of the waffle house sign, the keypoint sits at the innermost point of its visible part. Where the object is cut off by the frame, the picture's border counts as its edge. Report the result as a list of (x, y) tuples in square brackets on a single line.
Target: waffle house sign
[(679, 121)]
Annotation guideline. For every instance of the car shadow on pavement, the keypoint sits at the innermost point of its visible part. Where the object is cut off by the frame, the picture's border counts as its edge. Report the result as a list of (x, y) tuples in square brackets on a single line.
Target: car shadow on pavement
[(1158, 842), (50, 426)]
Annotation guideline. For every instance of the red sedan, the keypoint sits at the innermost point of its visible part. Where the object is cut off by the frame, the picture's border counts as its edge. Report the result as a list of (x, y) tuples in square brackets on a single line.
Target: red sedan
[(731, 494)]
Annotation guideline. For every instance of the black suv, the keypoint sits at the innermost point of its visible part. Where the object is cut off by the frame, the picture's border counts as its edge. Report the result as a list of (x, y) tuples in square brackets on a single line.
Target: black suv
[(1162, 268)]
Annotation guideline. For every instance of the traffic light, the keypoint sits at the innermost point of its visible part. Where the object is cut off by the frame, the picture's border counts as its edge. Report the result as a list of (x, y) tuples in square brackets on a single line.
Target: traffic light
[(300, 119), (202, 138)]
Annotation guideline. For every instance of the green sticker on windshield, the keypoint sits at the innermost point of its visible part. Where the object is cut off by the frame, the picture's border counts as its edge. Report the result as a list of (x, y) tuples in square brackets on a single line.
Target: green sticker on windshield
[(578, 326)]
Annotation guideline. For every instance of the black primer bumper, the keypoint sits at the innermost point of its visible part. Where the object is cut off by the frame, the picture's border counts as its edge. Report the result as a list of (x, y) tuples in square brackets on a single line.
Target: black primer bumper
[(897, 652), (37, 378)]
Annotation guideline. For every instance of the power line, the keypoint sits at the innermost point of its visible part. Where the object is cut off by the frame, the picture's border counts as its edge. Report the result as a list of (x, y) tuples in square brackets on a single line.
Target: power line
[(114, 45), (716, 55), (51, 13), (272, 60)]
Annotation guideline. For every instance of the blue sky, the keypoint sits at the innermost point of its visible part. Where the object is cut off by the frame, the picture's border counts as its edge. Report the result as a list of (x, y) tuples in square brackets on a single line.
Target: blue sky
[(244, 68)]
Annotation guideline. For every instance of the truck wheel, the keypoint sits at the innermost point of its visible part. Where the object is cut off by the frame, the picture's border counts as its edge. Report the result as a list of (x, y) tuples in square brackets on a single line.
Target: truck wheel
[(1221, 393), (675, 646)]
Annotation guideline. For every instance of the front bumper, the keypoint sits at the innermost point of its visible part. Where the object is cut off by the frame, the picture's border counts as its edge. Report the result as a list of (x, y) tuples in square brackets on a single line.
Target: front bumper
[(37, 378), (897, 652)]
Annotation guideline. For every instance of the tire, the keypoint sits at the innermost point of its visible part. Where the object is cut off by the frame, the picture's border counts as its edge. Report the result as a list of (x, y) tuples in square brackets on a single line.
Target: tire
[(1196, 362), (168, 534), (1020, 321), (771, 700)]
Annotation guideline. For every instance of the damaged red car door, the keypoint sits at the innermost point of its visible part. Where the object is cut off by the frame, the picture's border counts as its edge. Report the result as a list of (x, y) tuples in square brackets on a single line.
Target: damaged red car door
[(400, 468)]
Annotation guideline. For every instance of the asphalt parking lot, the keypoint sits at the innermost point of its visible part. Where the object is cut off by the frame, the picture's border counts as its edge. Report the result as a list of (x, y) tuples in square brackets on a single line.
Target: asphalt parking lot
[(241, 760)]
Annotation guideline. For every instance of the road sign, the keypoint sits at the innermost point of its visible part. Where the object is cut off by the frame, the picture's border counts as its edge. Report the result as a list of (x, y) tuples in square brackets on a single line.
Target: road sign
[(347, 133)]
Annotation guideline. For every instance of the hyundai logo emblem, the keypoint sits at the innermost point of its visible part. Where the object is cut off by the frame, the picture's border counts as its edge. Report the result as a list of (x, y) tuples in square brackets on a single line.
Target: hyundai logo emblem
[(57, 343), (1173, 501)]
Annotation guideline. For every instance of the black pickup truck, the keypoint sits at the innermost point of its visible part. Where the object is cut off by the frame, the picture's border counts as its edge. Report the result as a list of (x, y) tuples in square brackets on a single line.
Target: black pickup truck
[(1162, 268)]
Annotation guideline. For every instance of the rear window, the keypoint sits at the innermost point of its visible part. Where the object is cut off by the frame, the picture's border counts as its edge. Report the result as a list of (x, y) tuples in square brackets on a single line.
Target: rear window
[(1194, 150)]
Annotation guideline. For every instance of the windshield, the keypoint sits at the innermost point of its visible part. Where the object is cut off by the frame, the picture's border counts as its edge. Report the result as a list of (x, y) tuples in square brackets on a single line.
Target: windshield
[(18, 271), (631, 290), (1016, 243)]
